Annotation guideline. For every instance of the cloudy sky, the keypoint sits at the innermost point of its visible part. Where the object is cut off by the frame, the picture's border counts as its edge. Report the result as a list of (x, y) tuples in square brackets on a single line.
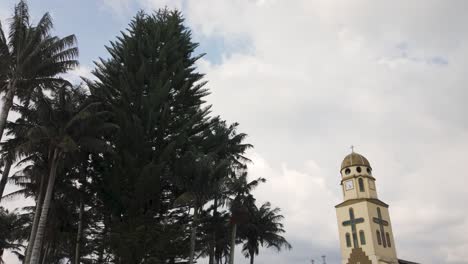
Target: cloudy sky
[(308, 78)]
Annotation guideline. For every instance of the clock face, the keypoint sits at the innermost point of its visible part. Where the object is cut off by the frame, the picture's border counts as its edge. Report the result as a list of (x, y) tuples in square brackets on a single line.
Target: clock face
[(349, 184)]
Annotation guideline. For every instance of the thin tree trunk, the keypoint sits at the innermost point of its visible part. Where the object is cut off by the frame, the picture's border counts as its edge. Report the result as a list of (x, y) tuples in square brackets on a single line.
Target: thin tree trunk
[(78, 235), (233, 243), (193, 235), (46, 253), (36, 251), (102, 246), (252, 256), (6, 172), (213, 240), (7, 103), (37, 214)]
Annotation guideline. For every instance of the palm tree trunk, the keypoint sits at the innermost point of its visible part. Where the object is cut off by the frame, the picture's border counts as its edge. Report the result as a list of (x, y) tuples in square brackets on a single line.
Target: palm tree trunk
[(213, 240), (252, 256), (37, 214), (78, 235), (7, 103), (101, 244), (233, 243), (6, 172), (46, 253), (36, 251), (193, 235)]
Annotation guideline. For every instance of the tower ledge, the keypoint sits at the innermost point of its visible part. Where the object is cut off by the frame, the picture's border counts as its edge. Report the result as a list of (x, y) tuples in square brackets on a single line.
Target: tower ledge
[(353, 201)]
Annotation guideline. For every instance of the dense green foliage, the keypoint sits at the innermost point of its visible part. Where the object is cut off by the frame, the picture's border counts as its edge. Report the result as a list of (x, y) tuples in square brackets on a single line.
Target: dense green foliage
[(131, 167)]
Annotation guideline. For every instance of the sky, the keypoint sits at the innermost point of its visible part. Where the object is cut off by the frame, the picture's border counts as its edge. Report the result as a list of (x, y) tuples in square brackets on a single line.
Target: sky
[(306, 79)]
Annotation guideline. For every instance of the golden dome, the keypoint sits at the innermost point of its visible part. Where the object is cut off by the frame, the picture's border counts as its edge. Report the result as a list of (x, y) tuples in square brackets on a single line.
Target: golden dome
[(354, 159)]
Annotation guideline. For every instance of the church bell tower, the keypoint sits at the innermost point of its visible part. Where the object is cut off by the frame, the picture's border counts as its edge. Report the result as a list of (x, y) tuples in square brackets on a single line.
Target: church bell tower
[(364, 225)]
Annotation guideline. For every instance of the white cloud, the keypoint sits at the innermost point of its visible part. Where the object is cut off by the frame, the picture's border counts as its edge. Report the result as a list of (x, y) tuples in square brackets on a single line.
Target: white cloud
[(6, 8), (156, 4), (321, 75), (293, 190), (82, 71), (119, 7)]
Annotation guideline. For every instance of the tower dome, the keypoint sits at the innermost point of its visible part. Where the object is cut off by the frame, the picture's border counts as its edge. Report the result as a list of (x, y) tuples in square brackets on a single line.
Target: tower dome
[(354, 159)]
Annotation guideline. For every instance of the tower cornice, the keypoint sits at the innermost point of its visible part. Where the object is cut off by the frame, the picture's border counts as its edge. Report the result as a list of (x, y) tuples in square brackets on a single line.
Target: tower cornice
[(358, 200)]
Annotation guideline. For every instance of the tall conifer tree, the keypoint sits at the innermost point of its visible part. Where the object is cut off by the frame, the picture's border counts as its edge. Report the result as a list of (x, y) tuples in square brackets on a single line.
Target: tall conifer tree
[(151, 85)]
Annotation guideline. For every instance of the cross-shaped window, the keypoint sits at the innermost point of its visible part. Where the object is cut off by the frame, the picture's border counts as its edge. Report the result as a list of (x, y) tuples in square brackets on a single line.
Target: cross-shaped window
[(353, 222), (379, 220)]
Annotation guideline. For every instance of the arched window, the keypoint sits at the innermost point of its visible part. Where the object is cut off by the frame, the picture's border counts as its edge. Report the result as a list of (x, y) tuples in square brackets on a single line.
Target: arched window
[(361, 184), (388, 240), (362, 237), (379, 239), (348, 240)]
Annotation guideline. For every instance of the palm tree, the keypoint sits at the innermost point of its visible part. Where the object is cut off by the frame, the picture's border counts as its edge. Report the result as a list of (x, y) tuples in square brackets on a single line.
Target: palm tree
[(223, 142), (30, 58), (66, 124), (32, 177), (263, 229), (13, 231), (242, 199), (201, 177)]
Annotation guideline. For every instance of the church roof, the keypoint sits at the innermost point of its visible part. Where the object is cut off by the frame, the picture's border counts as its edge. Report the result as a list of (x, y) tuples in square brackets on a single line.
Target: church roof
[(354, 159)]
